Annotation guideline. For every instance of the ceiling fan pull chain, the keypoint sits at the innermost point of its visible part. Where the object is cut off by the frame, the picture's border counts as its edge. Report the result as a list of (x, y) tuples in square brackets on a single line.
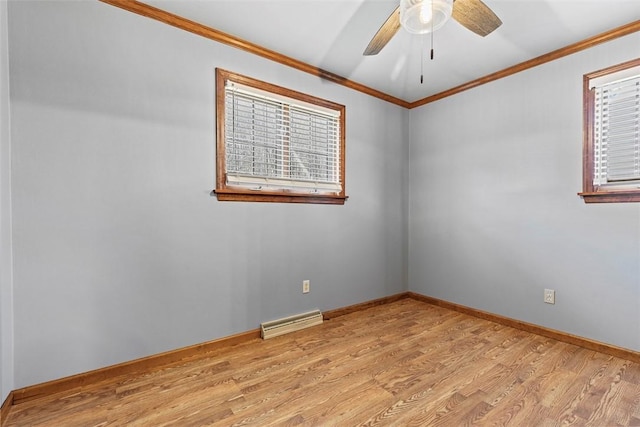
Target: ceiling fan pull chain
[(432, 31), (421, 60)]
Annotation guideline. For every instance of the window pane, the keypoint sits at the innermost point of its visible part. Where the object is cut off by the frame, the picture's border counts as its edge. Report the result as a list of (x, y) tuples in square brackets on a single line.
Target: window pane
[(617, 132), (277, 142), (269, 139)]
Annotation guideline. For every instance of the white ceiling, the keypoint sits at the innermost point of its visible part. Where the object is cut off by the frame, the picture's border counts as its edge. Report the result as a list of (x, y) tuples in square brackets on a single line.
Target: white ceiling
[(332, 34)]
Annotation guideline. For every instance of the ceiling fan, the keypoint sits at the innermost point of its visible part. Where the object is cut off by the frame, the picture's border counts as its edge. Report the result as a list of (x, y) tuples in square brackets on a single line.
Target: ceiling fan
[(426, 16)]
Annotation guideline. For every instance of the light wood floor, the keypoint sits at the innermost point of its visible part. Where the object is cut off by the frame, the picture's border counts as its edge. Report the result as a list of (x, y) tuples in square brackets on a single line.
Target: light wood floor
[(407, 363)]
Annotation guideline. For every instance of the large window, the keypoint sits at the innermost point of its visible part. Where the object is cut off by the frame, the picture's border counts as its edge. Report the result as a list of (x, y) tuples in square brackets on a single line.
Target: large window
[(611, 158), (277, 145)]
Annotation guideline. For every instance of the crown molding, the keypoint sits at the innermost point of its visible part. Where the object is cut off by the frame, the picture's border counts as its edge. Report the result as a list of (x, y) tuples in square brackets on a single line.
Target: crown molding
[(148, 11), (157, 14), (607, 36)]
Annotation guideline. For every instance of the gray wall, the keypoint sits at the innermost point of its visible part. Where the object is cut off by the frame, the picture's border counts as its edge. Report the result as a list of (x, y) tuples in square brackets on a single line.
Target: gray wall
[(494, 215), (120, 251), (6, 298)]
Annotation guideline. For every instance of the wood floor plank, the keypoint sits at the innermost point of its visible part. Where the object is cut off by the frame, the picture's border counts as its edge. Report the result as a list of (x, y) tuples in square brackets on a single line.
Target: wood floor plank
[(406, 363)]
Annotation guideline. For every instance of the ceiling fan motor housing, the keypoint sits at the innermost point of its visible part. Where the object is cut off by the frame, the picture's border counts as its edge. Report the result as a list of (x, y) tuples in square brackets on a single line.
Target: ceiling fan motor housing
[(424, 16)]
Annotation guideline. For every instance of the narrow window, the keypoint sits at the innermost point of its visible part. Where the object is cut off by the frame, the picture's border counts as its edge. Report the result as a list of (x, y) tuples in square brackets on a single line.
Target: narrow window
[(277, 145), (611, 157)]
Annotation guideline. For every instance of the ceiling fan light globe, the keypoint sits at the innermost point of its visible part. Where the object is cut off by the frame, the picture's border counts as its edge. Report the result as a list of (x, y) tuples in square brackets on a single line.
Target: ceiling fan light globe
[(424, 16)]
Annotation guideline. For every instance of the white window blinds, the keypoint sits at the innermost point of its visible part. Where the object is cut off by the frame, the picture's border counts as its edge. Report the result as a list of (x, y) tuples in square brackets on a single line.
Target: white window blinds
[(272, 141), (617, 133)]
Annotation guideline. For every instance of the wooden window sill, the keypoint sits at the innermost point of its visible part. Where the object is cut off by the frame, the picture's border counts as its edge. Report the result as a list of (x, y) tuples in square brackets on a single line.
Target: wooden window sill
[(241, 195), (611, 197)]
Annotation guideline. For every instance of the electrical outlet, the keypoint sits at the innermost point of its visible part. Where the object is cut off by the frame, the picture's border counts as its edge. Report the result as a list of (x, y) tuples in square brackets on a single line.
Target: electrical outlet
[(549, 296), (306, 286)]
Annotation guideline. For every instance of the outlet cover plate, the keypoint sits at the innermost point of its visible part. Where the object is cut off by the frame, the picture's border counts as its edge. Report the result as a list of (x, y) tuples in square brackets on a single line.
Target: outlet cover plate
[(549, 296), (306, 286)]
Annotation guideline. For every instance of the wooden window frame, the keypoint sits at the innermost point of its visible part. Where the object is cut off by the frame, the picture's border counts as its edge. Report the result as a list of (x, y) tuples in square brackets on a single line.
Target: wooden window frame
[(592, 193), (226, 192)]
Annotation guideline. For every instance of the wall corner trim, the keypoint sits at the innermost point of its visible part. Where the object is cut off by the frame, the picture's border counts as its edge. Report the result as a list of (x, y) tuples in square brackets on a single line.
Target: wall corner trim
[(6, 407)]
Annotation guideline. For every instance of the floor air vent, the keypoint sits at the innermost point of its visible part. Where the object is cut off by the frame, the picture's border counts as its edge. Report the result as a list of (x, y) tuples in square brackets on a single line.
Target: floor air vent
[(283, 326)]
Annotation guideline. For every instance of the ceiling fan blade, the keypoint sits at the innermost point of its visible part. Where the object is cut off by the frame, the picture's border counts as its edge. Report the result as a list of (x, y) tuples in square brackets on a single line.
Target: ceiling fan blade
[(384, 34), (476, 16)]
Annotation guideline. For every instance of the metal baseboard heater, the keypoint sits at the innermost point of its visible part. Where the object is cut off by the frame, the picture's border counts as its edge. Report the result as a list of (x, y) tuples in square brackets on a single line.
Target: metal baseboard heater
[(294, 323)]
